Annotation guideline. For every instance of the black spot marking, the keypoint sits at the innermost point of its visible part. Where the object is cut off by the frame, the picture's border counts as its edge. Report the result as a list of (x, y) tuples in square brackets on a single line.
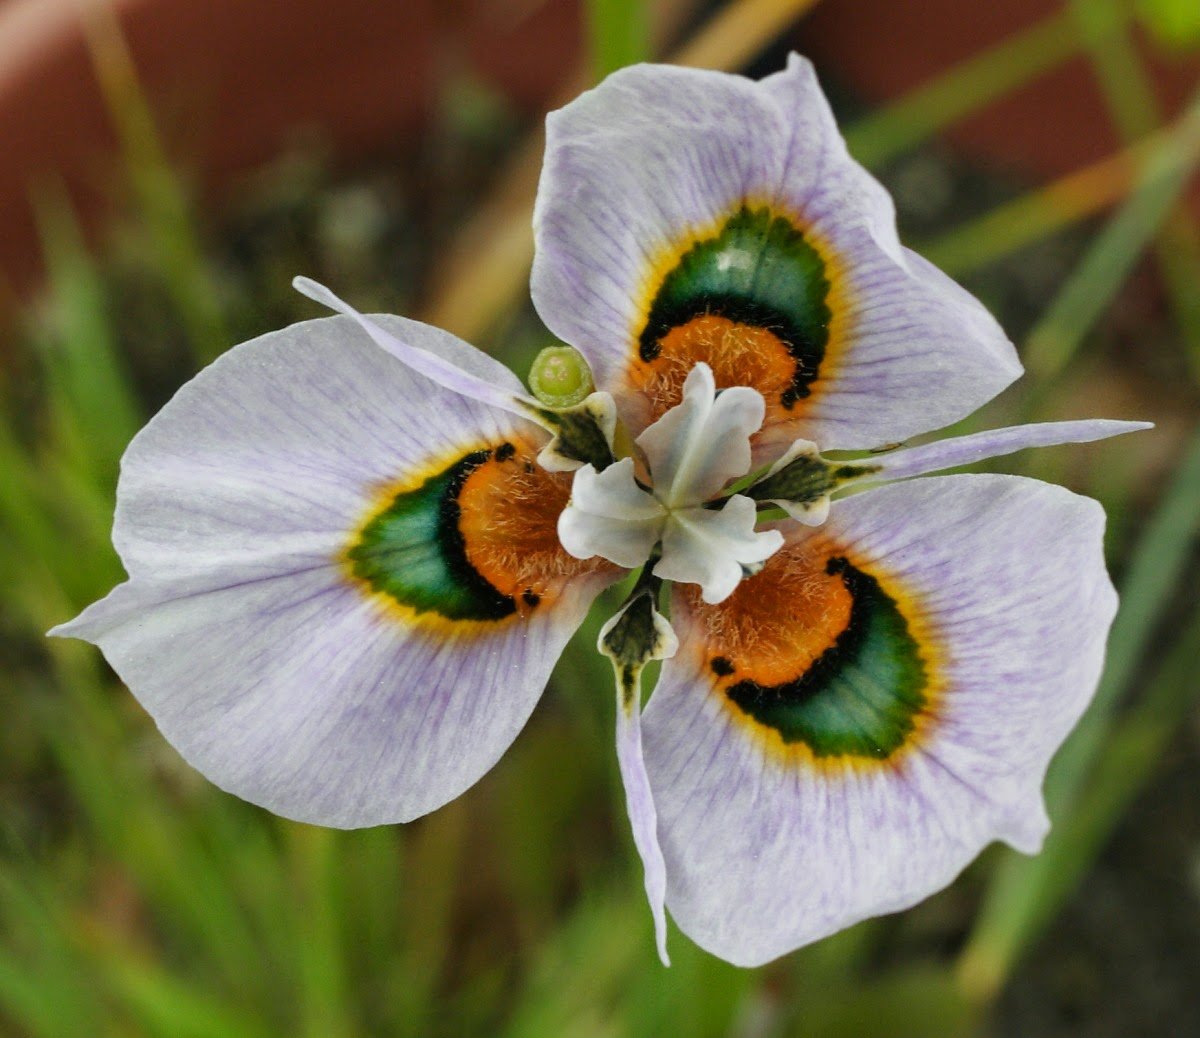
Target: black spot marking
[(721, 666)]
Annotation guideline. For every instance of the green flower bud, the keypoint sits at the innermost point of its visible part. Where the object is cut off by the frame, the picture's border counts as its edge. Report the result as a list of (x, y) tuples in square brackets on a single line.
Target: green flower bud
[(560, 377)]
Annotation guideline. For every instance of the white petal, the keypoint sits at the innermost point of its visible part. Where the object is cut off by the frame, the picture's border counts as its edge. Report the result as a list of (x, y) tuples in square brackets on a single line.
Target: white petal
[(994, 443), (611, 516), (701, 444), (651, 154), (657, 160), (639, 801), (271, 455), (298, 693), (242, 630), (713, 548)]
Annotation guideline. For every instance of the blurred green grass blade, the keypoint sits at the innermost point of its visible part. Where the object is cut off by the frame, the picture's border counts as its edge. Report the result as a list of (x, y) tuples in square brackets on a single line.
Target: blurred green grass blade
[(597, 974), (42, 985), (1154, 572), (1175, 23), (130, 818), (162, 200), (1054, 341), (1024, 903), (1129, 760), (1035, 215), (82, 358), (1122, 79), (914, 1001), (585, 969), (371, 911), (962, 89), (25, 527), (44, 540), (1129, 93), (435, 851), (34, 1003), (618, 34), (314, 867), (1019, 900), (167, 1005)]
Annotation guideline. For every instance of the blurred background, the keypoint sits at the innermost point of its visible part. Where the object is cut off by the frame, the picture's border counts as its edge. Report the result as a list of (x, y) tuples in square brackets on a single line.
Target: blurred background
[(166, 167)]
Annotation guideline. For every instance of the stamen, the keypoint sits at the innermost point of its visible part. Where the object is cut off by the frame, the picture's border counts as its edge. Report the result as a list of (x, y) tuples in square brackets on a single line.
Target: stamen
[(509, 510)]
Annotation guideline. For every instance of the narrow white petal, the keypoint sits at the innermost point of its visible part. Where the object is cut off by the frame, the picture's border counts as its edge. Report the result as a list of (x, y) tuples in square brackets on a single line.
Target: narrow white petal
[(643, 820), (611, 516), (457, 366), (712, 548), (702, 443), (994, 443), (656, 643)]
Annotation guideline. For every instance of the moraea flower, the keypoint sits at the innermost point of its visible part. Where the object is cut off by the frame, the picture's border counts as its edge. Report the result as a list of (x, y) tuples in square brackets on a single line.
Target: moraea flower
[(357, 546)]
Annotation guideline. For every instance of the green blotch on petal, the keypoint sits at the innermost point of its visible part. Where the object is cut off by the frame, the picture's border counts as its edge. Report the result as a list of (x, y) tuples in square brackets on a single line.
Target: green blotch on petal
[(759, 270), (414, 553), (860, 698)]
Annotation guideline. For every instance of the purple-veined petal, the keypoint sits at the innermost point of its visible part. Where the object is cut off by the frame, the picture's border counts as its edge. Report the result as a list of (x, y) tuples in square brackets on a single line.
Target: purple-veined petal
[(688, 215), (250, 629), (907, 332), (702, 443), (273, 452), (844, 734), (630, 167), (298, 693), (995, 443), (639, 804)]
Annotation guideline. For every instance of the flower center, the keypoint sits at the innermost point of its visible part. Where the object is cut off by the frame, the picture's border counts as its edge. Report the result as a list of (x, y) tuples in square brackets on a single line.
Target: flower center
[(692, 453)]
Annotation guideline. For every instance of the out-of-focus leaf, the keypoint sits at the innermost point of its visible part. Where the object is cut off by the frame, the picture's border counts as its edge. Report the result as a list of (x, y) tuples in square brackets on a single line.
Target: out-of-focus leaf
[(80, 348), (962, 89), (618, 34), (41, 987), (1175, 23), (1129, 92), (1090, 289), (162, 199)]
